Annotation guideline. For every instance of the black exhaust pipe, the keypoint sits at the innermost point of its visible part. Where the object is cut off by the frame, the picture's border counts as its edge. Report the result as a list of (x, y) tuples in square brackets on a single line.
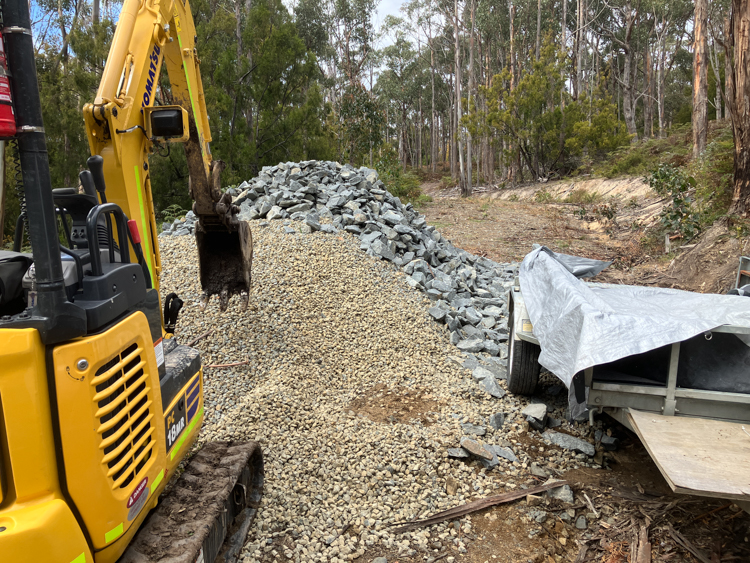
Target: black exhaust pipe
[(56, 318)]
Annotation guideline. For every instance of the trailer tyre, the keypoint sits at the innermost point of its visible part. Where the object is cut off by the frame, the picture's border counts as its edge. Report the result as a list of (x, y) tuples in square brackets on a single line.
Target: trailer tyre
[(523, 363)]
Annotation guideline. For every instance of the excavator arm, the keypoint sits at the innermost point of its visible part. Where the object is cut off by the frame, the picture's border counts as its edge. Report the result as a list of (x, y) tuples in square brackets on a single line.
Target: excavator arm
[(124, 127)]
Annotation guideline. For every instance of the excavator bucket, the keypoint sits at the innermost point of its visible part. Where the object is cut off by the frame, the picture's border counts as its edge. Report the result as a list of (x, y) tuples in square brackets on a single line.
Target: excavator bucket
[(207, 515), (225, 259)]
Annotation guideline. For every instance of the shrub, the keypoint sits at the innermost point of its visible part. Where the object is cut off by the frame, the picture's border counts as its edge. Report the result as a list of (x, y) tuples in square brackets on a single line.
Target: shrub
[(173, 212), (582, 197), (673, 184), (403, 185)]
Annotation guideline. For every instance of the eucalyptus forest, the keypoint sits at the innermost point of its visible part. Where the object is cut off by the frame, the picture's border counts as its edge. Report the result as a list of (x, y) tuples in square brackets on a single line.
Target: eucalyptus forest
[(487, 92)]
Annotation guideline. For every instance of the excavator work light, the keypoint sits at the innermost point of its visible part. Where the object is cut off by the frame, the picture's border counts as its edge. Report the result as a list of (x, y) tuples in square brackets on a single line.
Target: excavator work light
[(167, 122)]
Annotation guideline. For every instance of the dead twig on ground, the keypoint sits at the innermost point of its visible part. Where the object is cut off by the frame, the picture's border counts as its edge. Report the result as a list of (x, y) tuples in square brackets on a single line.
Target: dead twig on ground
[(683, 541), (475, 506), (710, 512), (229, 365), (338, 535), (591, 505), (197, 339)]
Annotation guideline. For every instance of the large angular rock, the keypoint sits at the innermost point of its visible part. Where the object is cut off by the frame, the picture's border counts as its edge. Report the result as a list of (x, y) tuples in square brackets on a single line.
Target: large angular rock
[(497, 420), (476, 449), (563, 493), (479, 373), (381, 249), (472, 345), (276, 212), (312, 222), (437, 313), (505, 453), (536, 415), (392, 218), (568, 442), (489, 384), (473, 429)]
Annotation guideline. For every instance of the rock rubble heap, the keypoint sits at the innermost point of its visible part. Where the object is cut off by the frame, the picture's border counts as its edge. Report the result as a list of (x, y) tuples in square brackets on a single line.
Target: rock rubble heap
[(469, 292)]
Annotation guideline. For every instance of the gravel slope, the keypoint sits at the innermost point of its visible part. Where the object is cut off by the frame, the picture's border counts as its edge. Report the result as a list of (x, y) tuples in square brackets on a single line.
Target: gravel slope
[(326, 324)]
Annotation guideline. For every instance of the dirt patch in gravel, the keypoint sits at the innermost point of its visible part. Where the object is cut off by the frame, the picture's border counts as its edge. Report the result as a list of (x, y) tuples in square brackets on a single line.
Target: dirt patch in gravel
[(397, 404)]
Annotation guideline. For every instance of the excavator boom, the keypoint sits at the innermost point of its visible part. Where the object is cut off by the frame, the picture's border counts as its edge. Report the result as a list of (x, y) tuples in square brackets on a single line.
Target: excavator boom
[(124, 126)]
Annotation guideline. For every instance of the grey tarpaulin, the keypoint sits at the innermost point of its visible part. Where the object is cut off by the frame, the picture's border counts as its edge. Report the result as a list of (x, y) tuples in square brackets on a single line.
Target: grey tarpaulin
[(579, 267), (580, 324)]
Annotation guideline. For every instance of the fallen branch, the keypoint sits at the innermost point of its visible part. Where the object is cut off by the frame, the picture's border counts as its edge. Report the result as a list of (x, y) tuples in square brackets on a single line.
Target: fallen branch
[(591, 505), (682, 540), (197, 339), (228, 365), (643, 554), (463, 510), (710, 512)]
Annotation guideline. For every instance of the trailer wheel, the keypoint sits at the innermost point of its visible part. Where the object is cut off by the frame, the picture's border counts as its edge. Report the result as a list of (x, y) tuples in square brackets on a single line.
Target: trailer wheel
[(523, 364)]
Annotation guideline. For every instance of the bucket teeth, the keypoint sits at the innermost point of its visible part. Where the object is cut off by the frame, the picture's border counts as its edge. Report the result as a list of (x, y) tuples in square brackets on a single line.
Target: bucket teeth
[(204, 300)]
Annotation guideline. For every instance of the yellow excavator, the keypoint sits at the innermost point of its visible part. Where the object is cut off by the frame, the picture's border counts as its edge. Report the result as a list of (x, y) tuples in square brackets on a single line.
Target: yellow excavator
[(99, 403)]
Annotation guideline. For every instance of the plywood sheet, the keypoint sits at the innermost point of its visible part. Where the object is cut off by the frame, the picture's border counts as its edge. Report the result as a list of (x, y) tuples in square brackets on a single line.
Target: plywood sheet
[(696, 455)]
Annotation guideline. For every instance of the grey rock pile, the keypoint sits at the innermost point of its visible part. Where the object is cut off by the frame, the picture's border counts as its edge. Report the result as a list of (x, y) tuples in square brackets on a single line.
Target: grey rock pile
[(469, 292), (180, 227)]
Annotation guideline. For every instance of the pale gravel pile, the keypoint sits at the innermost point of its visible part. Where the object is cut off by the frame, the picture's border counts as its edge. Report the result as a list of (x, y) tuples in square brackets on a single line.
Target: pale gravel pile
[(326, 323)]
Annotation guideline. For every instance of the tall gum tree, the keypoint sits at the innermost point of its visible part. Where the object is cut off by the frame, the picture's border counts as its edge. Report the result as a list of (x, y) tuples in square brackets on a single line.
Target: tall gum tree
[(738, 50), (700, 79)]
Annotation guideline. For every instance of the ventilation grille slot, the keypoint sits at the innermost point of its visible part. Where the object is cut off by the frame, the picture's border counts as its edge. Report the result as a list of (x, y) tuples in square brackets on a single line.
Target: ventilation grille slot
[(123, 400)]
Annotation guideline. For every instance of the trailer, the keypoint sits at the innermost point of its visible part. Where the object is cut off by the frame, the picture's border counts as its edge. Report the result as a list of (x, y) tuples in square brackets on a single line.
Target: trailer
[(688, 401)]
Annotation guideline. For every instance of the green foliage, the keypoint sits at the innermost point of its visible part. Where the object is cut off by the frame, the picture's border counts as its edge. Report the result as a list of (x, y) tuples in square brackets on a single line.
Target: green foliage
[(360, 123), (714, 176), (543, 196), (640, 158), (551, 140), (680, 216), (173, 212), (583, 197), (403, 185)]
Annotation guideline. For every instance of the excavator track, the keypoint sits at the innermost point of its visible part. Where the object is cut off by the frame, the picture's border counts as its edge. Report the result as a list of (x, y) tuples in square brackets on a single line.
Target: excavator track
[(215, 499)]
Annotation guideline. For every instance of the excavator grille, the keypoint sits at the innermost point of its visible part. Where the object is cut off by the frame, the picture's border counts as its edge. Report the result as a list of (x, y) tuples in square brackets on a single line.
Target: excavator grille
[(123, 399)]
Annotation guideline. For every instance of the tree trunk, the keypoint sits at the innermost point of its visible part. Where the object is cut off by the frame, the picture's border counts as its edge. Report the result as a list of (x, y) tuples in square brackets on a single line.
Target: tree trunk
[(538, 29), (648, 106), (453, 134), (469, 147), (628, 104), (579, 48), (512, 142), (700, 80), (739, 46), (433, 128), (462, 175), (713, 53), (728, 71), (660, 78)]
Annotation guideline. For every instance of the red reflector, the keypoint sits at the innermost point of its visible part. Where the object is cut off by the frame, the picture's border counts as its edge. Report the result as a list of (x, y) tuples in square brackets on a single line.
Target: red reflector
[(133, 226)]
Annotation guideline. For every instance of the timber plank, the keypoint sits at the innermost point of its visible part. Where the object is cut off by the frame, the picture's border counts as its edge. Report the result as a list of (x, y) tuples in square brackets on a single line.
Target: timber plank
[(697, 456)]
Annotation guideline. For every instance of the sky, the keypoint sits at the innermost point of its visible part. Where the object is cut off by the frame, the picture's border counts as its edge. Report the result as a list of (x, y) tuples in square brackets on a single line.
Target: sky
[(387, 7)]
